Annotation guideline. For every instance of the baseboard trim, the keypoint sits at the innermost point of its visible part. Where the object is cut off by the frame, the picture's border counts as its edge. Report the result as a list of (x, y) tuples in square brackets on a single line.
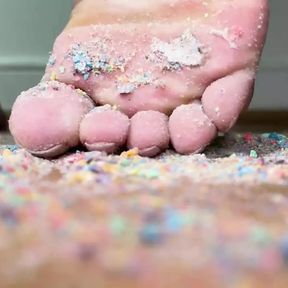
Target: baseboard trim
[(20, 63)]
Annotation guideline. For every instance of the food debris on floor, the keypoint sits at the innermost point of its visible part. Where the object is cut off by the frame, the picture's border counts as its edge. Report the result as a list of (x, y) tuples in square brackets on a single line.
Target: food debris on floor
[(127, 217)]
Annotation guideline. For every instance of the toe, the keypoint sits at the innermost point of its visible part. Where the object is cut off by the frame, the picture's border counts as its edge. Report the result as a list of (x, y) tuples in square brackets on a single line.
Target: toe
[(45, 119), (226, 98), (190, 129), (149, 133), (104, 129)]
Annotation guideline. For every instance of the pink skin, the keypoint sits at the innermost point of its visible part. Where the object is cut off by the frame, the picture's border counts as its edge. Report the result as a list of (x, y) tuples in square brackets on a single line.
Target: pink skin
[(220, 46), (149, 133), (50, 118), (226, 98), (110, 135), (190, 129)]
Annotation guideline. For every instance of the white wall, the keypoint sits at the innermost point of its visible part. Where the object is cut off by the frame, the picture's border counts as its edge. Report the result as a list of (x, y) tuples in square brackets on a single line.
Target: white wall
[(272, 85), (28, 27), (27, 31)]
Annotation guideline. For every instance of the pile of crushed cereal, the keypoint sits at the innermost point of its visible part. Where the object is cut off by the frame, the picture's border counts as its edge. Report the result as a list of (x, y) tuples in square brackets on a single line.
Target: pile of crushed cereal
[(218, 219)]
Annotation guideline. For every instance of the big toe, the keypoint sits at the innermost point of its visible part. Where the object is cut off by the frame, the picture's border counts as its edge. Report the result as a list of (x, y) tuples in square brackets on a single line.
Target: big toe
[(45, 119)]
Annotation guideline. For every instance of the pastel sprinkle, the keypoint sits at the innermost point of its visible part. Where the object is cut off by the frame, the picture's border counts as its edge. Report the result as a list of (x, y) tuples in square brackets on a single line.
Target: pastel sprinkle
[(82, 62), (284, 249), (52, 60), (151, 234), (53, 76), (62, 69), (253, 154), (118, 225)]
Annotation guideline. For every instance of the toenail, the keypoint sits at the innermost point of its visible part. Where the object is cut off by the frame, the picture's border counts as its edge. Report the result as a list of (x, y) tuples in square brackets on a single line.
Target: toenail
[(150, 152), (51, 152), (102, 147)]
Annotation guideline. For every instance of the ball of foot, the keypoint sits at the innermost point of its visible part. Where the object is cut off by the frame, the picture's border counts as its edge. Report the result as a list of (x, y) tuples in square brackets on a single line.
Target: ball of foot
[(189, 65)]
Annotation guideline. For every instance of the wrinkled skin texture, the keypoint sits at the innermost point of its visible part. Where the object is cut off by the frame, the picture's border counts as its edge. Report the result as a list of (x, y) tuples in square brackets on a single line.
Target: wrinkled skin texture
[(171, 71)]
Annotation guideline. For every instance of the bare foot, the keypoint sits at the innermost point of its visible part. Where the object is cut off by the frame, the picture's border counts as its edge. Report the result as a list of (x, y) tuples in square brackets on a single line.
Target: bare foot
[(156, 71)]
